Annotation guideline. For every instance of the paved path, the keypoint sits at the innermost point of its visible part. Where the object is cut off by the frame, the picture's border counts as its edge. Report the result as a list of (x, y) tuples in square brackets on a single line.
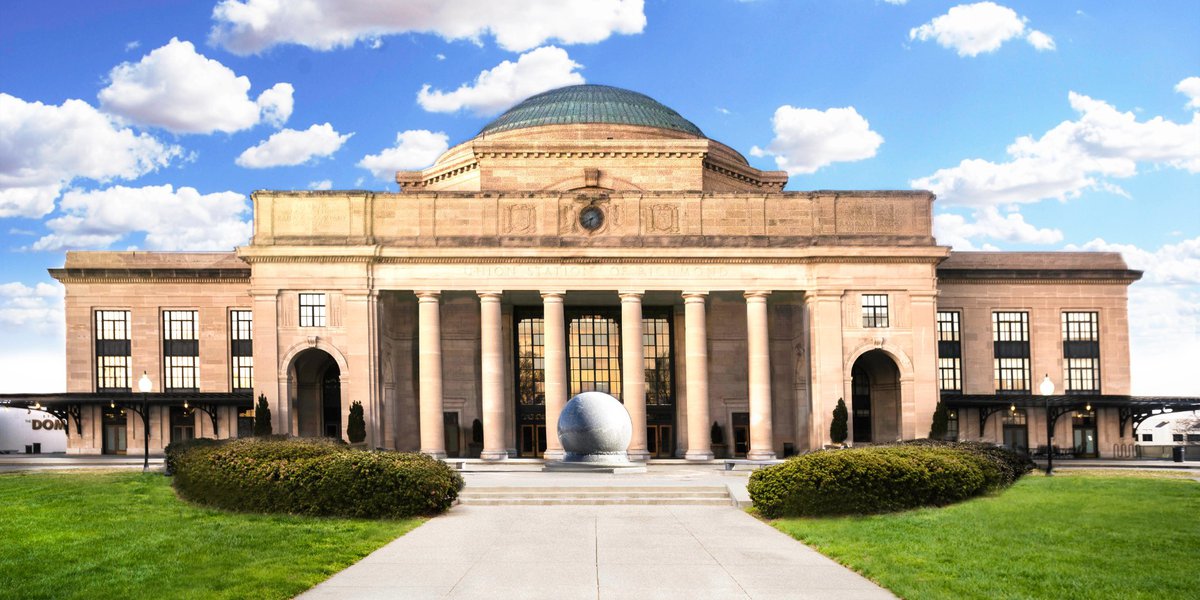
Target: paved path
[(564, 552)]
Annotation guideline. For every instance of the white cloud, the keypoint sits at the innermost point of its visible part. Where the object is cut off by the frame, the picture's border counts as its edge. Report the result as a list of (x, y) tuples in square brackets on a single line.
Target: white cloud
[(172, 219), (414, 149), (131, 46), (974, 29), (38, 308), (954, 230), (1072, 157), (324, 184), (290, 147), (1190, 87), (44, 147), (180, 90), (250, 26), (32, 318), (807, 139), (506, 84)]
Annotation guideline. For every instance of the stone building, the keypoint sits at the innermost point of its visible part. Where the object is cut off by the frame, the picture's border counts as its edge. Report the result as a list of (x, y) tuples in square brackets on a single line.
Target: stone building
[(591, 238)]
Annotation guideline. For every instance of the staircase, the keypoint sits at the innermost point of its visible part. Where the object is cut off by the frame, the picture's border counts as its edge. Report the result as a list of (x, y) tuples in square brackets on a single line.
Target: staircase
[(696, 495)]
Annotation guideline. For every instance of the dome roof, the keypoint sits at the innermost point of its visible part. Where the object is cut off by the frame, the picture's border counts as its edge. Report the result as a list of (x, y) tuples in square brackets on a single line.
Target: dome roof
[(590, 104)]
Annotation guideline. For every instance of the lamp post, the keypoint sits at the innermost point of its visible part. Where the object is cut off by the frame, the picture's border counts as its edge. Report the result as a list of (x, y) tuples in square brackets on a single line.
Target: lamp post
[(1047, 390), (144, 387)]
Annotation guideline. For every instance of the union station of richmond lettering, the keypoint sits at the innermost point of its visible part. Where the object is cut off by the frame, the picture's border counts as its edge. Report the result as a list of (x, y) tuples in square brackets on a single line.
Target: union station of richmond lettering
[(591, 238)]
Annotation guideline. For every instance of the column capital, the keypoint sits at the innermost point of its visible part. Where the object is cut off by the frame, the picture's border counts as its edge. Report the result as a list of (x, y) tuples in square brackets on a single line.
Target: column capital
[(631, 294), (551, 295), (694, 296), (489, 295), (756, 294), (428, 295)]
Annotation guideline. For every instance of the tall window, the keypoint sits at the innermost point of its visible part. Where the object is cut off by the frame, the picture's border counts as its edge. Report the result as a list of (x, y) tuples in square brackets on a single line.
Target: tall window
[(1081, 351), (1010, 347), (531, 366), (241, 350), (312, 310), (112, 351), (949, 351), (875, 310), (656, 346), (594, 348), (181, 351)]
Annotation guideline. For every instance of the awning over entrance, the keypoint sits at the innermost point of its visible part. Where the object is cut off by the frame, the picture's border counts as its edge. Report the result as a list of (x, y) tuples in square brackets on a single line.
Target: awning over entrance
[(68, 406), (1132, 409)]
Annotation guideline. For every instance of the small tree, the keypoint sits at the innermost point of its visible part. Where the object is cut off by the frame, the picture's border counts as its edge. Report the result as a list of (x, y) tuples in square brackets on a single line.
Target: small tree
[(356, 428), (716, 434), (262, 417), (941, 422), (837, 429)]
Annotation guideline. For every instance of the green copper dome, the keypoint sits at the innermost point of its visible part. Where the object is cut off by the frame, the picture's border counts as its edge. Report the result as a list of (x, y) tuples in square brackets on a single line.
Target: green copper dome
[(590, 104)]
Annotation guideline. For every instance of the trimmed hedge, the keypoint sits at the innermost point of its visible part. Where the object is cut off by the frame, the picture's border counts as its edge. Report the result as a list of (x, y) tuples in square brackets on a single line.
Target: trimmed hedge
[(314, 477), (879, 479), (176, 449)]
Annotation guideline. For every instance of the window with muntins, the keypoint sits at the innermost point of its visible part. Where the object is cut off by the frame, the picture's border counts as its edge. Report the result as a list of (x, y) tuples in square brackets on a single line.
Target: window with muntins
[(1081, 352), (949, 351), (1010, 348), (312, 310), (181, 351), (656, 348), (875, 310), (241, 350), (113, 357)]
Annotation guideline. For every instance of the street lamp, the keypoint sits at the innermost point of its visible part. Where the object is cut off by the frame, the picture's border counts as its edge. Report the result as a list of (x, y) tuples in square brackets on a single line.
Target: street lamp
[(144, 386), (1047, 390)]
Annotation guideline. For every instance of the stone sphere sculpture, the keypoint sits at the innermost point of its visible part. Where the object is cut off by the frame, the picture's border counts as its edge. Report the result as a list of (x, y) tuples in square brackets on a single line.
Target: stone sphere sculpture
[(595, 428)]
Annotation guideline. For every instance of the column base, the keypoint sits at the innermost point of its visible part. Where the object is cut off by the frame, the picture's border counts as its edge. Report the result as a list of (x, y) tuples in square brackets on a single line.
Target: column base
[(760, 455), (494, 455), (438, 454), (638, 455), (554, 455), (698, 455)]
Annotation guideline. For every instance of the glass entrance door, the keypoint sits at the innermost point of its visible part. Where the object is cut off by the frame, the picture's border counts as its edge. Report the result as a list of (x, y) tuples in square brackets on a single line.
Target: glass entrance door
[(114, 423), (1083, 425), (860, 405)]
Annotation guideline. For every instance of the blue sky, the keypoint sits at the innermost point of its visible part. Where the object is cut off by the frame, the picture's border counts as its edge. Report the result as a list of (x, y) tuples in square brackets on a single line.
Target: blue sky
[(1040, 125)]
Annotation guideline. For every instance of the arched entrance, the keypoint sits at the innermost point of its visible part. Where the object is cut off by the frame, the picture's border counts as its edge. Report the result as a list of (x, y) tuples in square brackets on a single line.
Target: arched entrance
[(875, 398), (316, 394)]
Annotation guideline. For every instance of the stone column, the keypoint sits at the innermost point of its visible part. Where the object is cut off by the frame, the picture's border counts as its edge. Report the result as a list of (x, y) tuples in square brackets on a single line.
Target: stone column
[(633, 372), (762, 446), (429, 366), (554, 330), (695, 330), (492, 352)]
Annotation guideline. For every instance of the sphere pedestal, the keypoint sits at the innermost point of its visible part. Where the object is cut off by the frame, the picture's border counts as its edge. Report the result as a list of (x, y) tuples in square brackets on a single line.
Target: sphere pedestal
[(594, 429)]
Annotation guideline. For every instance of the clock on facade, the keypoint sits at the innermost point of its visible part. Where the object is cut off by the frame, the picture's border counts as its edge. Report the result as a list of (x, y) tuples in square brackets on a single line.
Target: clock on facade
[(591, 218)]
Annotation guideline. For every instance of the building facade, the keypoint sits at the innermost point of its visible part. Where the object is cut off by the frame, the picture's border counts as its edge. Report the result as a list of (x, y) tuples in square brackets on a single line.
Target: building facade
[(591, 238)]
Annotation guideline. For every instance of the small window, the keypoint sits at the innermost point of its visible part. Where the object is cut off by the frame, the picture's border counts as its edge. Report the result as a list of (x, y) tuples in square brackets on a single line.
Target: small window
[(241, 350), (1193, 437), (875, 310), (1177, 437), (312, 310), (1147, 437)]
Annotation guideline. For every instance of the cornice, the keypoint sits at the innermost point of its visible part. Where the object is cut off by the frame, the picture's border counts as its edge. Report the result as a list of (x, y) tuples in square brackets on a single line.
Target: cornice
[(166, 275), (595, 260)]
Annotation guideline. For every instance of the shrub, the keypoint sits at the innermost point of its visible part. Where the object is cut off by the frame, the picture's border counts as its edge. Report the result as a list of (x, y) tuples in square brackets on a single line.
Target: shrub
[(874, 479), (1012, 465), (941, 422), (838, 428), (356, 426), (262, 417), (173, 450), (315, 477)]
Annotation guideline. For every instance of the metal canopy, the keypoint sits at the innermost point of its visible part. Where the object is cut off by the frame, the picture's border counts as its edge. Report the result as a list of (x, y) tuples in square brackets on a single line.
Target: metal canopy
[(68, 406), (1131, 409)]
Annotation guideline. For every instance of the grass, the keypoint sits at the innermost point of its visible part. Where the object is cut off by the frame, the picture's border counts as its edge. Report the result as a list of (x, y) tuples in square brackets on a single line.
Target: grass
[(1075, 535), (126, 535)]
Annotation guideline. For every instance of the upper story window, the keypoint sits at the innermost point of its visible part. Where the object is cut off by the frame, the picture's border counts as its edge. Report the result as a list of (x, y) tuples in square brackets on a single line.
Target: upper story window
[(1081, 352), (875, 310), (1010, 348), (312, 310), (113, 357), (949, 351), (241, 350), (181, 350)]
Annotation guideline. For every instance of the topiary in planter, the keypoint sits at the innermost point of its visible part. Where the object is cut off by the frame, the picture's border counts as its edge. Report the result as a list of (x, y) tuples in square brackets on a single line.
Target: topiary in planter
[(838, 431), (356, 426), (941, 422), (874, 479), (315, 477), (262, 417)]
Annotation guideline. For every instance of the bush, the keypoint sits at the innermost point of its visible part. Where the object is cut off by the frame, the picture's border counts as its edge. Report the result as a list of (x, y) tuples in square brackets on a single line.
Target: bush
[(874, 479), (173, 450), (315, 477), (262, 417), (838, 430), (941, 422), (356, 426), (1012, 465)]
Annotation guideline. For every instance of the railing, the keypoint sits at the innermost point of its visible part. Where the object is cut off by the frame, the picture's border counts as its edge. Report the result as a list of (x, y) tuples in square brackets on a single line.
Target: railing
[(1124, 450)]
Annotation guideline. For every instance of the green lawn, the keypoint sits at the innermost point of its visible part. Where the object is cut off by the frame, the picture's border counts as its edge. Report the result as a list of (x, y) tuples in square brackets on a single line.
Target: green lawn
[(1073, 535), (126, 535)]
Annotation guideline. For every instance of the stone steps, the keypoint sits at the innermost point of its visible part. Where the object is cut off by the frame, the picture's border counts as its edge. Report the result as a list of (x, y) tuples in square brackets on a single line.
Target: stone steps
[(596, 496)]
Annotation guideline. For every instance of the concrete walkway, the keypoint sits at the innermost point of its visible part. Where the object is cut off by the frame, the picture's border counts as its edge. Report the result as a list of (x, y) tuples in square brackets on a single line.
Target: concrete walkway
[(564, 552)]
